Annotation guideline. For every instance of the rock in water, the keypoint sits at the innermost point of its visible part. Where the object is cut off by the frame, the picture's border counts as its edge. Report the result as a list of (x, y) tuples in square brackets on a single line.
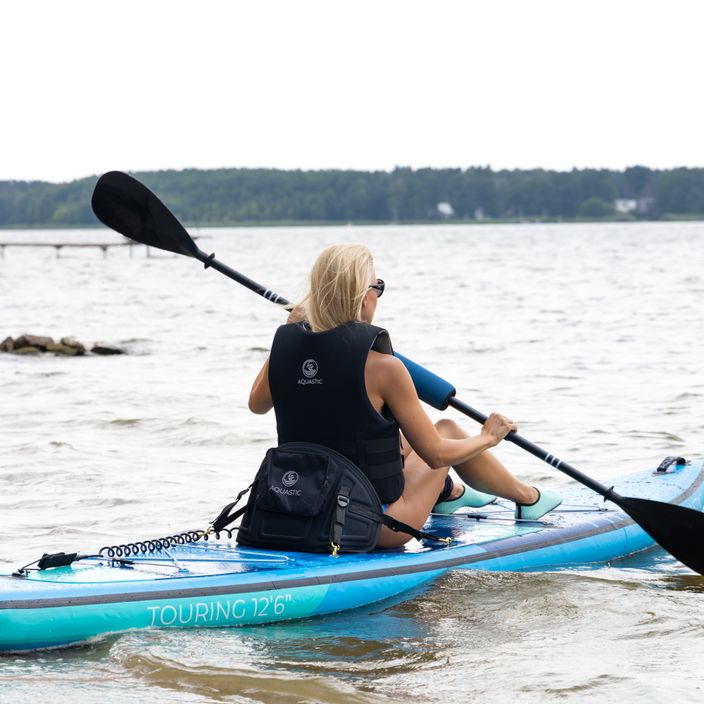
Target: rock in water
[(70, 347), (100, 348), (38, 341), (62, 349), (73, 344)]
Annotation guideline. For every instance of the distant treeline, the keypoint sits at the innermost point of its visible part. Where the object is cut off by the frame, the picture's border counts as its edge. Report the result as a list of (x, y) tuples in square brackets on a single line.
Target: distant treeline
[(231, 196)]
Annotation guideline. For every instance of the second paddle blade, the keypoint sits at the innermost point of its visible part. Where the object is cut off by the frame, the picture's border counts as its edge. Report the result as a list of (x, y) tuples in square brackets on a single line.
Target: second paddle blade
[(678, 529), (130, 208)]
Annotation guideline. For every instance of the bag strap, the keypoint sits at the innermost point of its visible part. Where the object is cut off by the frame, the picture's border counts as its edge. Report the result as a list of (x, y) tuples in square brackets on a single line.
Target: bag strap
[(338, 523), (224, 518), (401, 527)]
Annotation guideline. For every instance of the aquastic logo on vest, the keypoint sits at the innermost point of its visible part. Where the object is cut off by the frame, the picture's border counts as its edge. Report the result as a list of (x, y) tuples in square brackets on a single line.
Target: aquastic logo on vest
[(310, 371)]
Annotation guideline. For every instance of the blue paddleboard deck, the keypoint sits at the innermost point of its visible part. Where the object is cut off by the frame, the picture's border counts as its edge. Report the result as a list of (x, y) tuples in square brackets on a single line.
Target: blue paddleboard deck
[(216, 583)]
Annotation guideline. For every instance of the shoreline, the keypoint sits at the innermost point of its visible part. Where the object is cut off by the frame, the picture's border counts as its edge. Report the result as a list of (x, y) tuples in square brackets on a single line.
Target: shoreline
[(379, 223)]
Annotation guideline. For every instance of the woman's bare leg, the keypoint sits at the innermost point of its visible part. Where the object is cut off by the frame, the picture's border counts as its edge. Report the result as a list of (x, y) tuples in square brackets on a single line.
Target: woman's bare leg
[(486, 473), (423, 485), (422, 488)]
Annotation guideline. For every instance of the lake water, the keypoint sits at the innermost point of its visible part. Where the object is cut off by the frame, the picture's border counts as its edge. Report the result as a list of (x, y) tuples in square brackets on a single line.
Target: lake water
[(590, 336)]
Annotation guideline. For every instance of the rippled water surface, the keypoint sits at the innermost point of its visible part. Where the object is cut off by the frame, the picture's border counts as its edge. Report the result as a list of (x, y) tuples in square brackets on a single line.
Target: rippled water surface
[(591, 336)]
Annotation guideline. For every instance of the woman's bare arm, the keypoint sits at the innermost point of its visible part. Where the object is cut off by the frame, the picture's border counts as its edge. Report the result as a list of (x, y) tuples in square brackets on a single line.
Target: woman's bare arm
[(391, 380), (260, 400)]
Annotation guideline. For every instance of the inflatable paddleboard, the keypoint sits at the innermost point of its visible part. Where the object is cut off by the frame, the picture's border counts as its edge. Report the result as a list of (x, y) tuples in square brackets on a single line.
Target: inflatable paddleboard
[(216, 583)]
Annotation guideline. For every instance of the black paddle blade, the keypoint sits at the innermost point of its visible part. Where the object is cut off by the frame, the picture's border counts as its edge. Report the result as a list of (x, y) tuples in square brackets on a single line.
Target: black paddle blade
[(129, 207), (678, 529)]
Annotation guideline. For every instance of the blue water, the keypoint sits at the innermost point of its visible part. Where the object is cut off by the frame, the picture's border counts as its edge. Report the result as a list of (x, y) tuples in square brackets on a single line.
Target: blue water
[(590, 336)]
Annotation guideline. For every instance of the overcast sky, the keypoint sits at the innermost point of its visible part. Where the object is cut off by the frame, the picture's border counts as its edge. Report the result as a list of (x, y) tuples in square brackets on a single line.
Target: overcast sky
[(89, 85)]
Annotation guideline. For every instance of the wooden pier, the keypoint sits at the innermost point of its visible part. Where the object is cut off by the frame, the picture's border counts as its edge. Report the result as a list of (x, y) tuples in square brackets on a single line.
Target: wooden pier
[(58, 246)]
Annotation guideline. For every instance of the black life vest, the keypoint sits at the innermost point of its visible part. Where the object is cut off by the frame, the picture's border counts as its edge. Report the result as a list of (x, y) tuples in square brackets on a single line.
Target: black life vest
[(317, 385)]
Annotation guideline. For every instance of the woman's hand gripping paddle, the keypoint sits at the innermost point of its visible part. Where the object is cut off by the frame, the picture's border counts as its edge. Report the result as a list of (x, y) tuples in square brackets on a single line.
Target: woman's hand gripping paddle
[(130, 208)]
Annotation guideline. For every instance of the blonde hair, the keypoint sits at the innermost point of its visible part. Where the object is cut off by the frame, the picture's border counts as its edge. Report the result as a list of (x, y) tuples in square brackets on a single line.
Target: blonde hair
[(339, 281)]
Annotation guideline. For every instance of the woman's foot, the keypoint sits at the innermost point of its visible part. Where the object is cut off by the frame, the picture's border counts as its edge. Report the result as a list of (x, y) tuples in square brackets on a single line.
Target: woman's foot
[(463, 495), (547, 501)]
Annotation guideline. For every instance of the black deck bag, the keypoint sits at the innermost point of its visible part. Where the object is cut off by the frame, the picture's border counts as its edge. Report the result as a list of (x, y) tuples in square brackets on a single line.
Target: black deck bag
[(309, 498)]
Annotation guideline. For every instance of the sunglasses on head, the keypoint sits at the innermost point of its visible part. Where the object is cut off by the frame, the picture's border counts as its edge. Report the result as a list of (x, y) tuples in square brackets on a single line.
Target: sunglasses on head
[(378, 287)]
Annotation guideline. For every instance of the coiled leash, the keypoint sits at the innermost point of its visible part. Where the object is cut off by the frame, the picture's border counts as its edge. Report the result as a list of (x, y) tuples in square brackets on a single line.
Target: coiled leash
[(119, 553)]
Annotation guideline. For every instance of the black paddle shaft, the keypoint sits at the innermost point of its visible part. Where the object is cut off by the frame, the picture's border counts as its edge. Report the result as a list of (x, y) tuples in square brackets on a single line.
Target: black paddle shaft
[(528, 446), (210, 262)]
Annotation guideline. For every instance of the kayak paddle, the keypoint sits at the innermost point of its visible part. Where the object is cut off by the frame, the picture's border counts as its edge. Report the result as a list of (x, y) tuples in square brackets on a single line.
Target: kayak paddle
[(130, 208), (127, 206)]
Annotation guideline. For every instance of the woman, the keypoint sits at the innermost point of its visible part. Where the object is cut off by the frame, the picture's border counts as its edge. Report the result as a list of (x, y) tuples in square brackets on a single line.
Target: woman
[(332, 379)]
